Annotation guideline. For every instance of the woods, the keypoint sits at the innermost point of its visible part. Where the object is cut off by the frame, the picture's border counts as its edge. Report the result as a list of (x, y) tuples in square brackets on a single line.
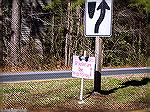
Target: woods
[(1, 39), (45, 34)]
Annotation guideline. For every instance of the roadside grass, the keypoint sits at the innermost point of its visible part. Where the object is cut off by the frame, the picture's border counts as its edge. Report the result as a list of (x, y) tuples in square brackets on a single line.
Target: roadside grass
[(53, 92), (129, 93)]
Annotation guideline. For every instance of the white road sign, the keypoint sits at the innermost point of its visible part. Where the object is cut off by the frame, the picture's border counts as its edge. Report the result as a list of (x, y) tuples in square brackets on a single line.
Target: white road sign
[(83, 69), (98, 18)]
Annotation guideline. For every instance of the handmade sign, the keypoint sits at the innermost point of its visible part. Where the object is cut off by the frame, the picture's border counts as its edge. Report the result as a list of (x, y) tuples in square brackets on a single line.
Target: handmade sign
[(83, 69)]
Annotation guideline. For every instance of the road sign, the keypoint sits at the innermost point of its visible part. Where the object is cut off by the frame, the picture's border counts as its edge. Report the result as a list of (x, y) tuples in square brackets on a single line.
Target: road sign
[(98, 18), (83, 69)]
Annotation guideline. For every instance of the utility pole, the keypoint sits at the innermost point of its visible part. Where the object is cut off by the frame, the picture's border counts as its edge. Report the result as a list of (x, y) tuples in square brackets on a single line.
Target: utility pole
[(98, 67)]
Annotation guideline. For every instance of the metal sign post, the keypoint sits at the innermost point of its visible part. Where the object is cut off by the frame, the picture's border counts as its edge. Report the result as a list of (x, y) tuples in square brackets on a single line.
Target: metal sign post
[(81, 92), (82, 84), (98, 59), (98, 23)]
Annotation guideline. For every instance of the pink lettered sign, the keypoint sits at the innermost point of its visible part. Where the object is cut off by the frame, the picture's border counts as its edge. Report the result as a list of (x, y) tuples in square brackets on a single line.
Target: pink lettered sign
[(83, 69)]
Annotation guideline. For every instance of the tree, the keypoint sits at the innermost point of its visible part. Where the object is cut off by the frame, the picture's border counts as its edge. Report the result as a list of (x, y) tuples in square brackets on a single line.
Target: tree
[(20, 32), (1, 39), (141, 5), (15, 33), (53, 30)]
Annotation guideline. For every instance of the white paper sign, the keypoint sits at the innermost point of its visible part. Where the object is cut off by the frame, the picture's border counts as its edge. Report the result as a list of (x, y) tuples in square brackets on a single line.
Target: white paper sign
[(83, 69)]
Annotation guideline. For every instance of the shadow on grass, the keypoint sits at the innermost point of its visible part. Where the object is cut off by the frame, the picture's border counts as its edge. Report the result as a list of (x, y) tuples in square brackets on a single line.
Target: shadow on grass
[(144, 81)]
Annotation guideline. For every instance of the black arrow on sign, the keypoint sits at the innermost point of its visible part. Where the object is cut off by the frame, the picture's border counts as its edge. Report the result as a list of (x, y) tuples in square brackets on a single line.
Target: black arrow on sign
[(103, 6)]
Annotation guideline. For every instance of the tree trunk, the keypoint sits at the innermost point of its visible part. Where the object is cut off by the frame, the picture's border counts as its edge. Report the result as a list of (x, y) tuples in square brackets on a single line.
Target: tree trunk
[(1, 36), (52, 36), (78, 15), (67, 35), (15, 27), (70, 52)]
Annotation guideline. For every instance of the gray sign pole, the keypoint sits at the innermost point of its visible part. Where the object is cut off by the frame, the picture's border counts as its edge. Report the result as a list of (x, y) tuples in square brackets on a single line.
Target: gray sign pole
[(98, 61), (98, 22)]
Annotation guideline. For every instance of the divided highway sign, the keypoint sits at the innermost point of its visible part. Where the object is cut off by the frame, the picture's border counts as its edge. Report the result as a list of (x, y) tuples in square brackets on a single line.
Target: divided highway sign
[(98, 18)]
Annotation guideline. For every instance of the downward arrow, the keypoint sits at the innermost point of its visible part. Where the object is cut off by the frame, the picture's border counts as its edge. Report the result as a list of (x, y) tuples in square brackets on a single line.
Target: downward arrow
[(103, 6)]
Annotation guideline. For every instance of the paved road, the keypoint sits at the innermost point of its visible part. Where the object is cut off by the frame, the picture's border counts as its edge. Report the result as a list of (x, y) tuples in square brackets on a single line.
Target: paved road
[(14, 110), (25, 76)]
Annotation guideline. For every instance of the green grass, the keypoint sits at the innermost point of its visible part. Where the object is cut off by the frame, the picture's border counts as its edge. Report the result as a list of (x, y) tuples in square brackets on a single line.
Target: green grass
[(148, 61), (11, 90), (110, 83), (58, 91)]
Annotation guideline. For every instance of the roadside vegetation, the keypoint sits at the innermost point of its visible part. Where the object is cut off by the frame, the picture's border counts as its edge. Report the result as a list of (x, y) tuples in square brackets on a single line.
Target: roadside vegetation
[(121, 93), (52, 31)]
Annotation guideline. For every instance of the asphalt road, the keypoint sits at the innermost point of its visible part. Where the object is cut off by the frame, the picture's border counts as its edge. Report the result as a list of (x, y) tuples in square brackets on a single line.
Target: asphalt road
[(26, 76)]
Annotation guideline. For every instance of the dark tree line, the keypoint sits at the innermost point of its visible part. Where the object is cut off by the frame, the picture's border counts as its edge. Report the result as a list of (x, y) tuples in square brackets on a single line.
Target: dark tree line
[(42, 34)]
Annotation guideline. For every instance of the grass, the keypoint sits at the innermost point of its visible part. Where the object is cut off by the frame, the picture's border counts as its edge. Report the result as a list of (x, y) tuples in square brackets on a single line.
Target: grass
[(11, 90), (148, 61), (53, 92)]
